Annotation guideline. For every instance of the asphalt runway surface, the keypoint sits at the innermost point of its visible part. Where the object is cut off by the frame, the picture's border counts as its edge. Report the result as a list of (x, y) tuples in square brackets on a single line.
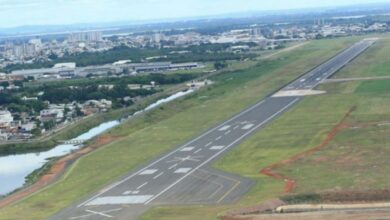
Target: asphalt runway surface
[(183, 176)]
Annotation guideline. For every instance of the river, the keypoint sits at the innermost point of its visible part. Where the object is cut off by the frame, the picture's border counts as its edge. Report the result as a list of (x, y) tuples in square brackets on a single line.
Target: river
[(15, 168)]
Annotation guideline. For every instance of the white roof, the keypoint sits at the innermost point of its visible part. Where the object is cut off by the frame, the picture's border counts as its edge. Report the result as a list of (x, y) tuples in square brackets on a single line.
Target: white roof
[(65, 65)]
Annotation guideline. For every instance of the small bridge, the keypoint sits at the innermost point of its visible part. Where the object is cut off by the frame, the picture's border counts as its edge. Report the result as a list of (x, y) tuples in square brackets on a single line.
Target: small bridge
[(73, 142)]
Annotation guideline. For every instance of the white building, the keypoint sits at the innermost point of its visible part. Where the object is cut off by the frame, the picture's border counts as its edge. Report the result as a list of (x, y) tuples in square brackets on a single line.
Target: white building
[(5, 118)]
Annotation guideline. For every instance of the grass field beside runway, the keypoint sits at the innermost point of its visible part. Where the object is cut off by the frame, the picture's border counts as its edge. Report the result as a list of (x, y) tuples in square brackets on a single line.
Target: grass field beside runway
[(173, 124), (357, 159), (374, 62)]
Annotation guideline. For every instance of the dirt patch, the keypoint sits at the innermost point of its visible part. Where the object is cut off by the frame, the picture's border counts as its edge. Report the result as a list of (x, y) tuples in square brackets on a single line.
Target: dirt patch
[(57, 170), (262, 208), (289, 182)]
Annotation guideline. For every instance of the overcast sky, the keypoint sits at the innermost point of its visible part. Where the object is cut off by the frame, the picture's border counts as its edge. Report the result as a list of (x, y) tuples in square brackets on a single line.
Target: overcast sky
[(43, 12)]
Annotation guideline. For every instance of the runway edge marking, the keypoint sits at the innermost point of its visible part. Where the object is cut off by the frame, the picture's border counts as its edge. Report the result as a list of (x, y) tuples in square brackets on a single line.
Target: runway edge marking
[(173, 152), (223, 150)]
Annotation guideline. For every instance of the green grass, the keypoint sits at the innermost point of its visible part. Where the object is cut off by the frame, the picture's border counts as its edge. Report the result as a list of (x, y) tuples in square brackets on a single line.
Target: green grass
[(173, 124), (374, 62), (382, 86), (356, 160)]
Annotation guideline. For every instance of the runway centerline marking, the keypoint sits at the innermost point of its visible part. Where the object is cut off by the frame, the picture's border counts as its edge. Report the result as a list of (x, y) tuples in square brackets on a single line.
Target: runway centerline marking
[(197, 151), (228, 132), (158, 175), (171, 153), (223, 150), (139, 187), (173, 166), (218, 138), (210, 143)]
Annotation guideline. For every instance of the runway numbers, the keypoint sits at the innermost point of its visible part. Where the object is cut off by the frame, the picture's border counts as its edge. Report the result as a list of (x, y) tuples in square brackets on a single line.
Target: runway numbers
[(217, 147), (186, 149), (183, 170), (224, 128), (247, 127), (148, 172)]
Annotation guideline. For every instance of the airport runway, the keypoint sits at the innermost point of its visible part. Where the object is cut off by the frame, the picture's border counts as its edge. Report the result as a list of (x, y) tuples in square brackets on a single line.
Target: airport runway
[(183, 175)]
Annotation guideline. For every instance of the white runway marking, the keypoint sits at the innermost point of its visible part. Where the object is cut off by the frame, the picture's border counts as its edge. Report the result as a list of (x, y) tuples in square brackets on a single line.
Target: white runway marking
[(131, 192), (197, 151), (218, 138), (158, 175), (173, 166), (117, 200), (228, 132), (92, 213), (171, 153), (210, 143), (248, 126), (224, 128), (186, 149), (183, 170), (127, 192), (139, 187), (237, 126), (148, 172), (220, 152), (216, 147)]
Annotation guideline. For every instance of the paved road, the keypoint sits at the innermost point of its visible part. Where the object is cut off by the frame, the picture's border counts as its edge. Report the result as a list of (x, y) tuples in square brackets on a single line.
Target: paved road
[(183, 174)]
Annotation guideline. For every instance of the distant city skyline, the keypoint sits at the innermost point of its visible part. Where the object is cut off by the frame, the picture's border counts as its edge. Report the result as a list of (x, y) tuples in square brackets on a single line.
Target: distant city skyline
[(14, 13)]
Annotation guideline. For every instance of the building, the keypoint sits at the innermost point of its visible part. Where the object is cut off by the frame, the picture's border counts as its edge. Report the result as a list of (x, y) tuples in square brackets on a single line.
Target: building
[(52, 115), (5, 118), (65, 65)]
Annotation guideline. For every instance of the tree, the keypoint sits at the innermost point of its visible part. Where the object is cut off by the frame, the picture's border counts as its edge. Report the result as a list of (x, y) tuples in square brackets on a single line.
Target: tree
[(220, 65)]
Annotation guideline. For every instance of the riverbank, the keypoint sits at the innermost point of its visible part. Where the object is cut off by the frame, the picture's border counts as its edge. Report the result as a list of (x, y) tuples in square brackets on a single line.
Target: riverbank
[(56, 170), (82, 126)]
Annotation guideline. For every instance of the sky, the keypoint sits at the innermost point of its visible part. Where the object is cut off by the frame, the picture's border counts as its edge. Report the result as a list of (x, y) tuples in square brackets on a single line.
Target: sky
[(53, 12)]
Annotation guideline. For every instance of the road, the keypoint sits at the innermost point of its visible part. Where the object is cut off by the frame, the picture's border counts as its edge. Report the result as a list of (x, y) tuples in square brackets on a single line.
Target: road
[(183, 176)]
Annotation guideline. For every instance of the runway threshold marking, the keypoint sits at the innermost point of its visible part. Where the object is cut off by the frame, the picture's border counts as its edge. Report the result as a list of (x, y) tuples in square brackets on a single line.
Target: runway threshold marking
[(183, 170), (216, 147), (220, 152), (187, 149), (224, 128), (148, 172), (171, 153), (119, 200), (247, 127)]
